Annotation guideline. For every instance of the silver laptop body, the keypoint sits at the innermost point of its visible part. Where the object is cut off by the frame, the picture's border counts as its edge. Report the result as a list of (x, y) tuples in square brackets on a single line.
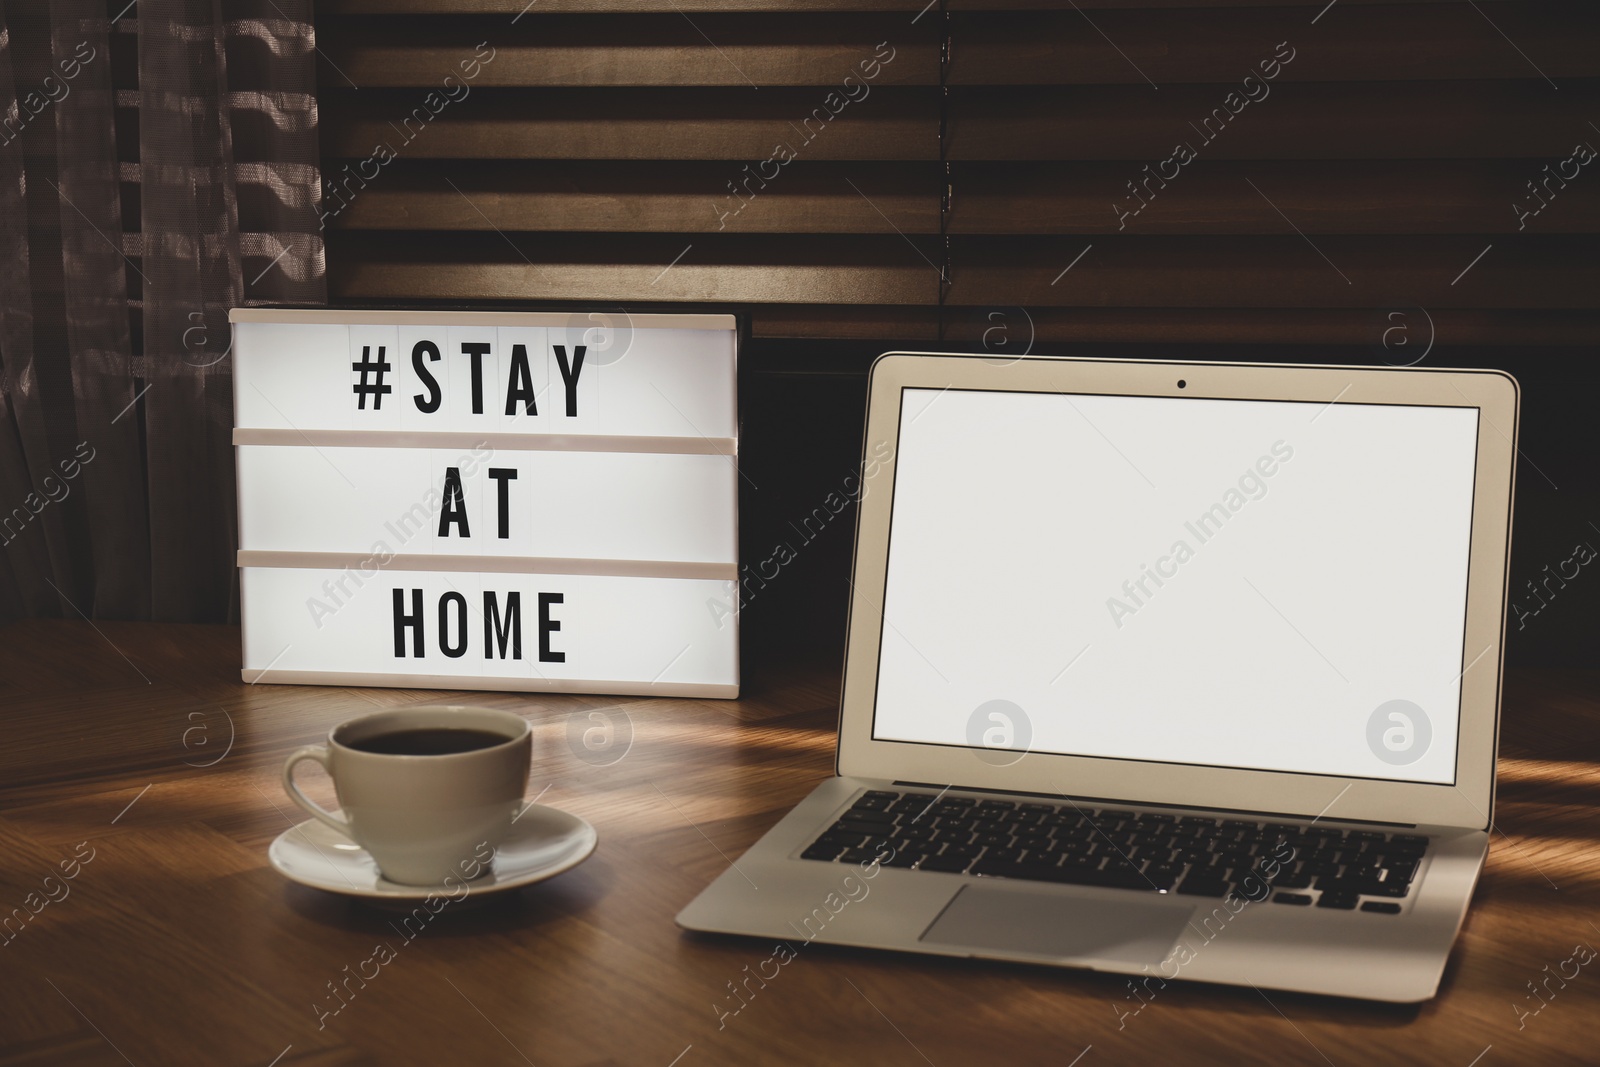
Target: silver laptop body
[(1170, 670)]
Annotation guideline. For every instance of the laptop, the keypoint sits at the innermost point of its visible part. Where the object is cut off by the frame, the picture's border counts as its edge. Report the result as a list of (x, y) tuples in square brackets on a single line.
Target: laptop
[(1175, 670)]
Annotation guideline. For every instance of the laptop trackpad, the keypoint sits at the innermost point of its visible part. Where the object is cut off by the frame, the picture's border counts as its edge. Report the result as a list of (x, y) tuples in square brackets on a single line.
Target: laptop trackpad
[(1053, 923)]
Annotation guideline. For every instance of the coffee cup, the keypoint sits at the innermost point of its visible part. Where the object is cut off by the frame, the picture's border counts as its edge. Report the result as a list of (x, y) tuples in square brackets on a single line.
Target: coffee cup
[(427, 791)]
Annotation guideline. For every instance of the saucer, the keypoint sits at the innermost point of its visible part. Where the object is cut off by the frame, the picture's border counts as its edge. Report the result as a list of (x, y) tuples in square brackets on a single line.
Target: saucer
[(542, 843)]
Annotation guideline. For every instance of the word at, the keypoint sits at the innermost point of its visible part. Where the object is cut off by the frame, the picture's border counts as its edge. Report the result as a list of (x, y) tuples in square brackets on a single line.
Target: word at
[(1253, 889), (372, 367), (33, 102), (1581, 555), (1581, 955), (855, 890), (1184, 153), (784, 553), (1252, 484), (33, 503), (1581, 154), (421, 916), (33, 903), (832, 105), (412, 521), (495, 628), (338, 190)]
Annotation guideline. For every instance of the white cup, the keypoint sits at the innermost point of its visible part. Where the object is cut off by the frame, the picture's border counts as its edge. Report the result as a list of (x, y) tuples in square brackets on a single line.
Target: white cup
[(422, 817)]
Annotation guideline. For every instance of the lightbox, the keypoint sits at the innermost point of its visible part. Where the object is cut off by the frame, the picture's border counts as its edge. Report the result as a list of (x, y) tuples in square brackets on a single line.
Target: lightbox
[(486, 500)]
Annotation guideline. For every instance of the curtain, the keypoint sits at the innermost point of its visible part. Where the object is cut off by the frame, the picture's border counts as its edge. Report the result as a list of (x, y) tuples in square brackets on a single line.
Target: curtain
[(158, 166)]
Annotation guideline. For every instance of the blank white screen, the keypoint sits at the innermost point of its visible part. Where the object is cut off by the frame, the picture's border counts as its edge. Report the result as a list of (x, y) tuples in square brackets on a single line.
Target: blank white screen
[(1312, 596)]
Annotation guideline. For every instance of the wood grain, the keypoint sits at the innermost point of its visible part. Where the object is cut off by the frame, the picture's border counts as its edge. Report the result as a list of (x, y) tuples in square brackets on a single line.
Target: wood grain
[(178, 945)]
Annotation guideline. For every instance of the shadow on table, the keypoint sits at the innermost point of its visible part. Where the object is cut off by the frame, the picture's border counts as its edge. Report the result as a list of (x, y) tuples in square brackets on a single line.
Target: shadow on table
[(527, 908)]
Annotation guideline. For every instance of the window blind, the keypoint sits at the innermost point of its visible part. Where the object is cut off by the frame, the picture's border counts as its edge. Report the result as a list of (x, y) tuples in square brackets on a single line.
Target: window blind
[(1265, 172)]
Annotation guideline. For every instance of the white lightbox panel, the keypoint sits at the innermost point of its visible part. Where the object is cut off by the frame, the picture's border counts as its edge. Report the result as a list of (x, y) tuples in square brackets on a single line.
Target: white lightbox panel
[(667, 383), (348, 422), (634, 631), (574, 505)]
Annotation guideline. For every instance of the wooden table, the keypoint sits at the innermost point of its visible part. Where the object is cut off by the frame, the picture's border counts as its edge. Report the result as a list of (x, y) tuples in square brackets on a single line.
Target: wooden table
[(135, 745)]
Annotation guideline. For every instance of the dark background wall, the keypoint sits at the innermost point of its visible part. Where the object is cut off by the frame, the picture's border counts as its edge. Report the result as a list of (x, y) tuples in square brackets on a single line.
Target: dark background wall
[(1372, 181)]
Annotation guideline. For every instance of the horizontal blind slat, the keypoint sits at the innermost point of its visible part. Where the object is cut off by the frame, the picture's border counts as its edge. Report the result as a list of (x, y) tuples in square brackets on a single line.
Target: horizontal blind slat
[(668, 197), (1230, 196), (643, 124), (739, 50), (1534, 271), (635, 267), (1223, 45), (1316, 120)]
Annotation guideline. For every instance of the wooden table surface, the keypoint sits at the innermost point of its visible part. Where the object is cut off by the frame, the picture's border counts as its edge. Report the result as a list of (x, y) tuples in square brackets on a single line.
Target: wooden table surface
[(132, 754)]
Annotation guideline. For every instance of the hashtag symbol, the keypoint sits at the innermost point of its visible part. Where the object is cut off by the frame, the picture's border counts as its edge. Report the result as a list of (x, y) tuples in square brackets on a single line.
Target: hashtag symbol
[(377, 370)]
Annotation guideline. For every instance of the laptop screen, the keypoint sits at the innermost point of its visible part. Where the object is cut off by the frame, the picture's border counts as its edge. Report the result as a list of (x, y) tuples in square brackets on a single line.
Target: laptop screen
[(1233, 583)]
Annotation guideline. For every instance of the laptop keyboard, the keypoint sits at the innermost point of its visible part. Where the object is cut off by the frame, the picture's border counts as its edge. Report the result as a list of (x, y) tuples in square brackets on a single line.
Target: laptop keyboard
[(1304, 865)]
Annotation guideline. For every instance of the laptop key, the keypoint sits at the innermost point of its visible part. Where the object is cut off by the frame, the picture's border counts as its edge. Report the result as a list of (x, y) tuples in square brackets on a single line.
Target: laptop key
[(1292, 881), (861, 855), (908, 858), (1364, 886), (1381, 907), (1402, 871), (845, 840), (946, 863), (870, 829), (1204, 887), (825, 852), (865, 815), (1291, 898), (1341, 901)]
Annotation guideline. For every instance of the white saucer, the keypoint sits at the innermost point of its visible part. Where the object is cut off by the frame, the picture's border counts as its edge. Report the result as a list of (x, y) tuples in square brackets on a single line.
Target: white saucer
[(542, 843)]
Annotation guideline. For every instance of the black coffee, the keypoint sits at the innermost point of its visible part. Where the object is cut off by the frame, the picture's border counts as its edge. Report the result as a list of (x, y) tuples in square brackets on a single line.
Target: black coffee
[(428, 741)]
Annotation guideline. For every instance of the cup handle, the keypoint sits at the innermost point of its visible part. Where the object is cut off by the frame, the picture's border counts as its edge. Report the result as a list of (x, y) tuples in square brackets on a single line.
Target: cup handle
[(318, 812)]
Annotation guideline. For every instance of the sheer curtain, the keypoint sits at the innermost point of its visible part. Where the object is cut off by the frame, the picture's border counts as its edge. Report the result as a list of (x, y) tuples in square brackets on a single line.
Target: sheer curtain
[(158, 165)]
